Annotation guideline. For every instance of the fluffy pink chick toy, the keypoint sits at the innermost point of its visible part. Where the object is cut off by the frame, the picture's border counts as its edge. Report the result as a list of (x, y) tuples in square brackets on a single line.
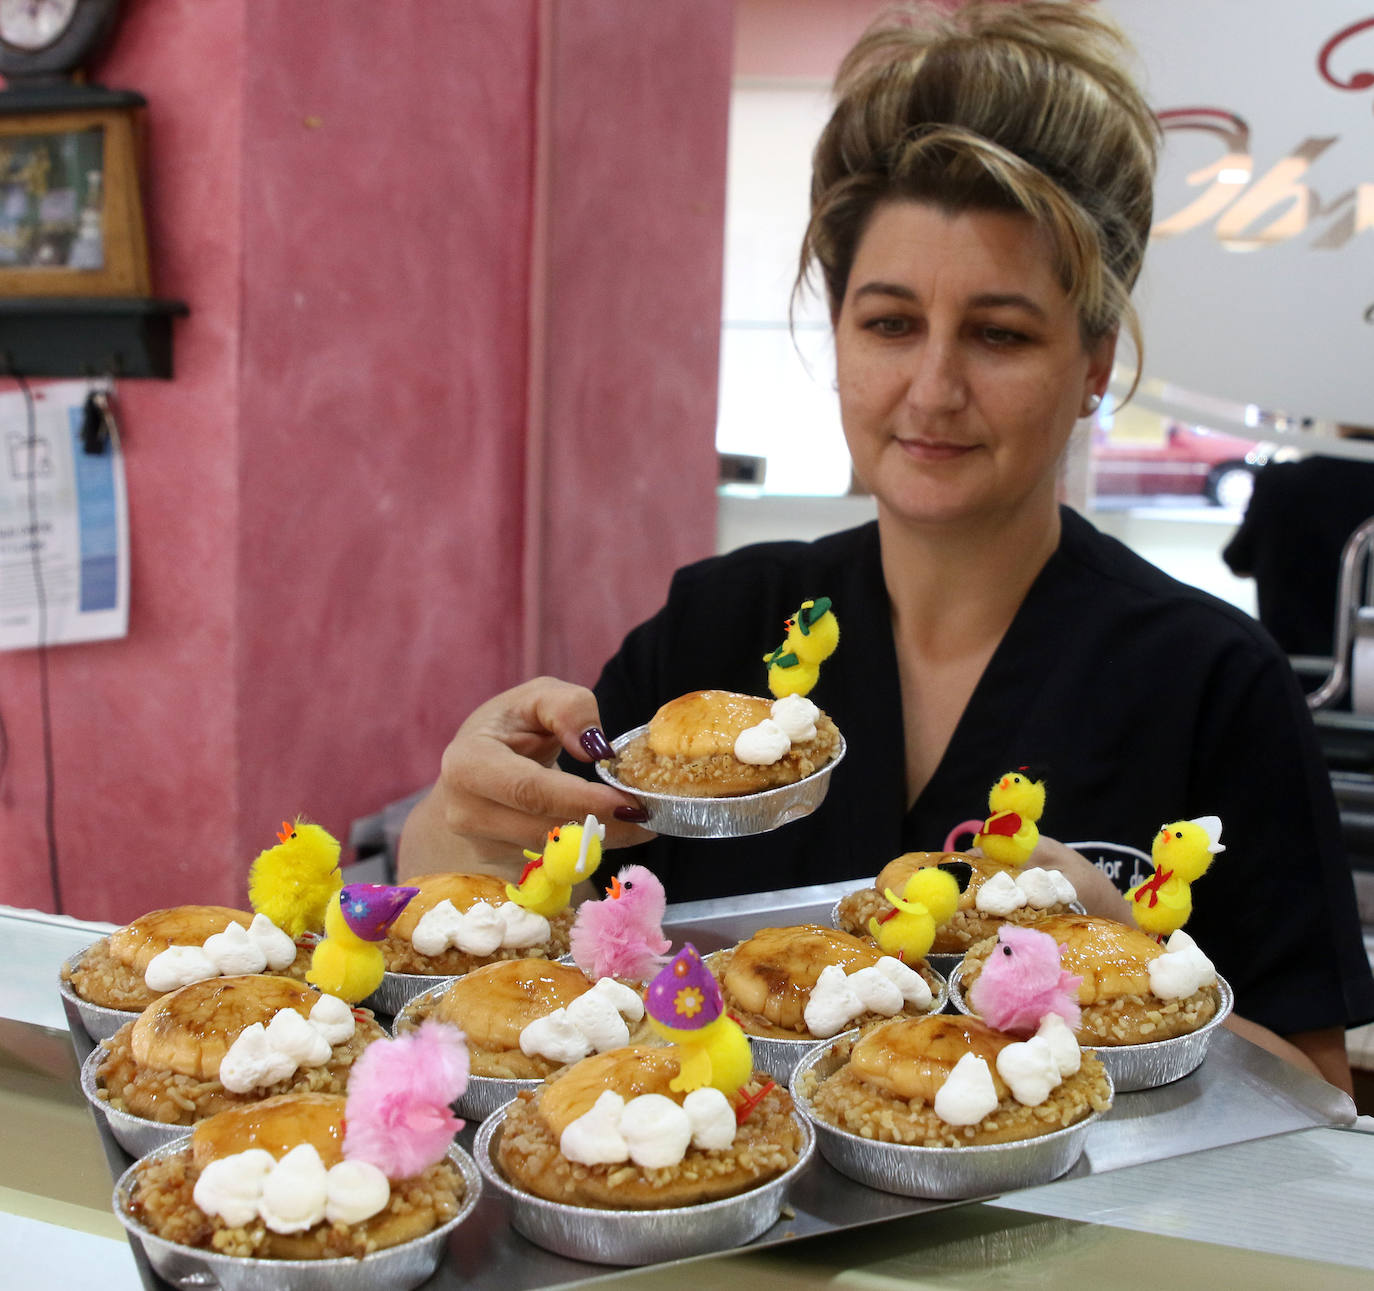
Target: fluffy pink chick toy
[(1022, 981), (622, 936), (398, 1115)]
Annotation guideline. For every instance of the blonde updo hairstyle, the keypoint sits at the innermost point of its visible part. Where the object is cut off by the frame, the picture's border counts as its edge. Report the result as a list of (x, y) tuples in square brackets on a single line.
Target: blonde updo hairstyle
[(995, 106)]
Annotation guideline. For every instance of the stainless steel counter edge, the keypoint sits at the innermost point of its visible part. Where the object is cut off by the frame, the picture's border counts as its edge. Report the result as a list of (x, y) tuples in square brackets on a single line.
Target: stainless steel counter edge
[(1282, 1108)]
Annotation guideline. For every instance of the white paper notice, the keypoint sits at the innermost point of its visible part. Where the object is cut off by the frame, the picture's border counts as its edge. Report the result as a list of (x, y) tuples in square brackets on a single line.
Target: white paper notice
[(64, 524)]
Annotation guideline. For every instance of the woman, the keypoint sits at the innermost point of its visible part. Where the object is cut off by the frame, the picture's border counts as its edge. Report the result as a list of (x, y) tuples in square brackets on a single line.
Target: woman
[(981, 200)]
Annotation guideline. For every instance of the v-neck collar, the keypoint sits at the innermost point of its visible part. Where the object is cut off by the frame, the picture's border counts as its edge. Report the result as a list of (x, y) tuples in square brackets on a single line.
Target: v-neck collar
[(989, 725)]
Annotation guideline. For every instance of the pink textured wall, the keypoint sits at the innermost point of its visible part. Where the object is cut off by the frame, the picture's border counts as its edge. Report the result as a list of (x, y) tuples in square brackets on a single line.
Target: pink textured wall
[(638, 103), (143, 728), (330, 502), (386, 233)]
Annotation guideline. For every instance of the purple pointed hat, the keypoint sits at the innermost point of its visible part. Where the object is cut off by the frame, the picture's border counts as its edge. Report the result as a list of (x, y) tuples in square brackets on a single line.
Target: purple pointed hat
[(684, 995), (369, 909)]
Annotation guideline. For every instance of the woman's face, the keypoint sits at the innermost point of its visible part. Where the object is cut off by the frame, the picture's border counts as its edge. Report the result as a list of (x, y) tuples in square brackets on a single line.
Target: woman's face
[(961, 365)]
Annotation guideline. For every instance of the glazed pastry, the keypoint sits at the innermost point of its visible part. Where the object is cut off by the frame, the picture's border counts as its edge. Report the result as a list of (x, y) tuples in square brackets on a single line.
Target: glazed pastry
[(305, 1176), (947, 1081), (113, 972), (1014, 894), (458, 922), (518, 1013), (775, 983), (1130, 982), (187, 1056), (584, 1139), (719, 744)]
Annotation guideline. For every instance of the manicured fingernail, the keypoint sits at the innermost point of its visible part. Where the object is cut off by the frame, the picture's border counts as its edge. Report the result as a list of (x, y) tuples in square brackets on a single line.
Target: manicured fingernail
[(631, 815), (593, 740)]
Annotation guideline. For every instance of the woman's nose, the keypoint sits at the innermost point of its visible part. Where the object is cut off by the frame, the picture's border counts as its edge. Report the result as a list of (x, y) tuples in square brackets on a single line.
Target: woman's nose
[(937, 382)]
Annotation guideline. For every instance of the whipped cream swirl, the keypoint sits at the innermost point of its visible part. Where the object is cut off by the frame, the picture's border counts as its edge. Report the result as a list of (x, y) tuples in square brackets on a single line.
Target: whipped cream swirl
[(1032, 1069), (886, 987), (291, 1195), (1181, 970), (236, 950), (483, 929), (263, 1055), (1035, 887), (651, 1130), (595, 1021), (792, 721)]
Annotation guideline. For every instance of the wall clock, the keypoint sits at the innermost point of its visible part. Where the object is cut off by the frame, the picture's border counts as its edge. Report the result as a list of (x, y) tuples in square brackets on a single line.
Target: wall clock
[(44, 42)]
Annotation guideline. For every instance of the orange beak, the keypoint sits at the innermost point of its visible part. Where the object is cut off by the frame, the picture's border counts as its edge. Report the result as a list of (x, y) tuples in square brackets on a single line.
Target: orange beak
[(1163, 835), (1005, 783), (616, 890), (287, 832)]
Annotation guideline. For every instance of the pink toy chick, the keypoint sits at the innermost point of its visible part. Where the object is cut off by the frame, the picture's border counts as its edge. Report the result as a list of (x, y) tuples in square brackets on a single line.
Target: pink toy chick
[(398, 1115), (622, 936), (1022, 981)]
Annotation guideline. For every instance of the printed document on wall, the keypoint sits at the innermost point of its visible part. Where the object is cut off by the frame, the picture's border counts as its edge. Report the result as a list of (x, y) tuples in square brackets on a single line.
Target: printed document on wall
[(64, 524)]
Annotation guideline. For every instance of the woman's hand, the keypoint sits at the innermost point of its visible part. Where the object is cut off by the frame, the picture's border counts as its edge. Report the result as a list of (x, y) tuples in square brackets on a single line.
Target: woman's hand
[(499, 792), (1096, 892)]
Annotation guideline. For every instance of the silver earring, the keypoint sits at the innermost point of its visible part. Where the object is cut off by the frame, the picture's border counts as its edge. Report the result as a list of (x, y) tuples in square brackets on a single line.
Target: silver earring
[(1094, 403)]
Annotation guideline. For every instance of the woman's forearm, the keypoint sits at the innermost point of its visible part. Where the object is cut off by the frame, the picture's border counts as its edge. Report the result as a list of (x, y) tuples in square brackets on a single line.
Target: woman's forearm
[(1319, 1052)]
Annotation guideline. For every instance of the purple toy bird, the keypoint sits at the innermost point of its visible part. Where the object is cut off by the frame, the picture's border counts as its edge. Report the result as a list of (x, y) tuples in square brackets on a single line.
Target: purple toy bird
[(1022, 981), (622, 936)]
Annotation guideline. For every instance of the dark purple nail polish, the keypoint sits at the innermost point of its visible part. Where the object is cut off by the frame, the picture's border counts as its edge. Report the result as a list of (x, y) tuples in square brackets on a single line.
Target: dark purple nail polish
[(595, 743), (631, 815)]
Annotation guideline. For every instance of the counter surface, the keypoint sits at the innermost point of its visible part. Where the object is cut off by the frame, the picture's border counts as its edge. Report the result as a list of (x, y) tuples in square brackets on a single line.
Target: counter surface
[(1245, 1126)]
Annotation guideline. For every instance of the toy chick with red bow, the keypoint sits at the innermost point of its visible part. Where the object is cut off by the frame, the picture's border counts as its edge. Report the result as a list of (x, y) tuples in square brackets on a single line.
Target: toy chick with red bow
[(1182, 852), (1009, 834)]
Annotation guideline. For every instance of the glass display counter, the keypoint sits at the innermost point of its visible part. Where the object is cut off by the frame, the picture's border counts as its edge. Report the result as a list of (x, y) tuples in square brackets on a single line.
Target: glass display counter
[(1245, 1170)]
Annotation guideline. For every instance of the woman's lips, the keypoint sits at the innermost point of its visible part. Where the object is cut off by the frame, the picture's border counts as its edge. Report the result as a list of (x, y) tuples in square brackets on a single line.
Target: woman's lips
[(933, 450)]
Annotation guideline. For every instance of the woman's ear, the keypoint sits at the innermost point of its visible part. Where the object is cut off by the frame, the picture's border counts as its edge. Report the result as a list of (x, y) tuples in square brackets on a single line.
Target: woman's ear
[(1101, 359)]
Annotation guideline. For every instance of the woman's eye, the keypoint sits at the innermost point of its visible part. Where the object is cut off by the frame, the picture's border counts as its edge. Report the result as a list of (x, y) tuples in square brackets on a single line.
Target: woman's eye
[(888, 326), (1003, 336)]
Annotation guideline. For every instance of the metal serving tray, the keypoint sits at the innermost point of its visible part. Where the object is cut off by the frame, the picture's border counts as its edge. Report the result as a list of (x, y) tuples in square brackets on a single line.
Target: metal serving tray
[(1239, 1093)]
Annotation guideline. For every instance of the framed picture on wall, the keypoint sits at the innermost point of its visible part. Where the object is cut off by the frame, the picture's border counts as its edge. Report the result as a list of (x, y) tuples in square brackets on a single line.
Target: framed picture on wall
[(71, 213)]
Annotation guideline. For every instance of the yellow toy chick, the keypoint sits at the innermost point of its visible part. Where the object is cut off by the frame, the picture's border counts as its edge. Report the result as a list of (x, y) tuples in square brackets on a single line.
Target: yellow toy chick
[(1009, 834), (571, 853), (684, 1005), (812, 635), (348, 962), (929, 899), (1181, 852), (292, 883)]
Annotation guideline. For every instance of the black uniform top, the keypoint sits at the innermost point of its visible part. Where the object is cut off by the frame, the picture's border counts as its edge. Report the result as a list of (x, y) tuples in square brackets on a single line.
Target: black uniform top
[(1290, 542), (1143, 701)]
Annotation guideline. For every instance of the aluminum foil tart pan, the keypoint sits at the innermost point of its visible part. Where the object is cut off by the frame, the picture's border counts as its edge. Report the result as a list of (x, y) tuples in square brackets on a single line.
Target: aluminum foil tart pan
[(484, 1094), (779, 1058), (638, 1236), (137, 1135), (398, 989), (752, 813), (1142, 1066), (396, 1268), (100, 1023), (942, 1174)]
